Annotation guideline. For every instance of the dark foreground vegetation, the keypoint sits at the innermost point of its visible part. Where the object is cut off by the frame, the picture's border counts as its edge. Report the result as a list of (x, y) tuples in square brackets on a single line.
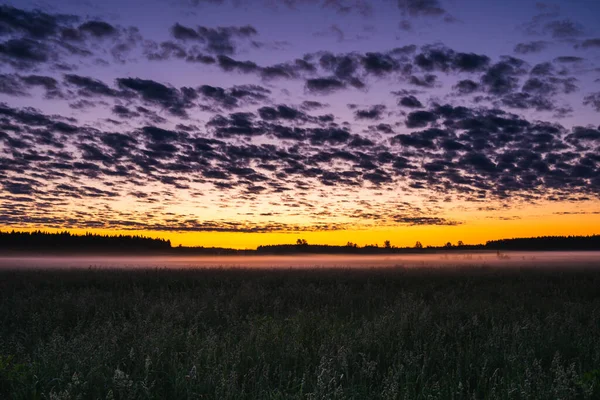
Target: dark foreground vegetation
[(300, 334)]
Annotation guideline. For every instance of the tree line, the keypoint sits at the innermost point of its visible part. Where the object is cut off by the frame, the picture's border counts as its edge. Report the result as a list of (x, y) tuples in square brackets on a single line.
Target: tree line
[(66, 242), (89, 242)]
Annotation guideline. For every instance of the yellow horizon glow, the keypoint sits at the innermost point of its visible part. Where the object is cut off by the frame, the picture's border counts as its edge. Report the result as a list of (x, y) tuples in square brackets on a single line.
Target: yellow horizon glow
[(474, 231)]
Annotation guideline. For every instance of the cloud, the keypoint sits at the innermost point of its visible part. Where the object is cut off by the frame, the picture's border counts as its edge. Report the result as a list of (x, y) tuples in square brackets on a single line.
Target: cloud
[(568, 59), (37, 38), (563, 29), (229, 64), (426, 81), (374, 112), (34, 24), (324, 85), (312, 105), (440, 58), (50, 84), (460, 150), (531, 47), (174, 100), (466, 86), (589, 43), (408, 220), (503, 77), (11, 85), (379, 64), (593, 100), (98, 29), (23, 53), (526, 101), (235, 96), (282, 112), (219, 40), (263, 144), (418, 8), (410, 102), (89, 87), (418, 119)]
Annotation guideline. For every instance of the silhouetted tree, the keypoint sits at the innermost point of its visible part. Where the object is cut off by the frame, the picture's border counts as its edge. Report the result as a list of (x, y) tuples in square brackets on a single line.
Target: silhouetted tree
[(448, 245), (301, 242), (65, 241), (387, 244), (418, 245), (460, 243)]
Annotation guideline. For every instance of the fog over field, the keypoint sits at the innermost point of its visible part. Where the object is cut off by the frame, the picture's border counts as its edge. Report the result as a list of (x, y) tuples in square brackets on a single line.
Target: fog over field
[(550, 259)]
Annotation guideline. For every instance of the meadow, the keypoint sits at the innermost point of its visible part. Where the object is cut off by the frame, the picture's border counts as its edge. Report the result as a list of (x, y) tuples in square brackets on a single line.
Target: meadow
[(387, 333)]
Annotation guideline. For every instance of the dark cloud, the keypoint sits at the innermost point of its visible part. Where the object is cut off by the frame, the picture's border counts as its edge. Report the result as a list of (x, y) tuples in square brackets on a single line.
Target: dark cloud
[(229, 64), (440, 58), (545, 68), (379, 64), (470, 62), (563, 29), (408, 220), (253, 144), (89, 87), (435, 58), (362, 7), (35, 24), (235, 96), (466, 86), (549, 85), (24, 52), (38, 38), (324, 85), (99, 29), (568, 59), (593, 100), (184, 33), (281, 112), (410, 101), (47, 82), (237, 124), (385, 128), (174, 100), (312, 105), (418, 119), (473, 153), (287, 70), (503, 77), (11, 85), (328, 135), (589, 43), (531, 47), (421, 7), (374, 112), (526, 100), (427, 81), (413, 140), (342, 66), (220, 40)]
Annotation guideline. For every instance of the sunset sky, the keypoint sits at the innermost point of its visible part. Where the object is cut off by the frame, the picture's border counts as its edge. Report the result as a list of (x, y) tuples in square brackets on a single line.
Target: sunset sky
[(238, 123)]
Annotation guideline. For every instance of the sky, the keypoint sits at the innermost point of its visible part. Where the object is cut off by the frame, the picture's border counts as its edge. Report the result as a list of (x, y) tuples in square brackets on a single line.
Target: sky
[(237, 123)]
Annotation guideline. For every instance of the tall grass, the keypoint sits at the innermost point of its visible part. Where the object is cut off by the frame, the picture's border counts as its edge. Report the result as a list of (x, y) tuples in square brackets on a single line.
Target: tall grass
[(300, 334)]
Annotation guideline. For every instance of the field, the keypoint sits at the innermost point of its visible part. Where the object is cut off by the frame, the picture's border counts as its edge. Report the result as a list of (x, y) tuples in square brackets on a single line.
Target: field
[(477, 333)]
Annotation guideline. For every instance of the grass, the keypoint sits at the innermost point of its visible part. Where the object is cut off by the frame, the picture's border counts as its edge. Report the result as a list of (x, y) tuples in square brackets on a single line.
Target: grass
[(300, 334)]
